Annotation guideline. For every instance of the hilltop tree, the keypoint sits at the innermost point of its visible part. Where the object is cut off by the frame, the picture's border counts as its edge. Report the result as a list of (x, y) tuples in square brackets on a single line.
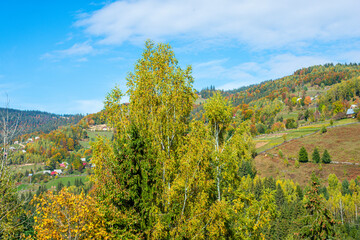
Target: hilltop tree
[(303, 155)]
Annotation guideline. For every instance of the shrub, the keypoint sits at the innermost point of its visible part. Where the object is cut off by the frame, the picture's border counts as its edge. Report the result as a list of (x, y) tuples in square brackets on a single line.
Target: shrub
[(339, 116), (286, 162), (281, 153), (326, 157), (290, 123), (297, 164), (331, 122), (303, 155), (316, 155), (358, 116), (323, 129)]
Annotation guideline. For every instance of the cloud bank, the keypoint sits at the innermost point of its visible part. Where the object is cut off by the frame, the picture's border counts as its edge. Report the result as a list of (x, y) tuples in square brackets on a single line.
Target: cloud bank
[(257, 23)]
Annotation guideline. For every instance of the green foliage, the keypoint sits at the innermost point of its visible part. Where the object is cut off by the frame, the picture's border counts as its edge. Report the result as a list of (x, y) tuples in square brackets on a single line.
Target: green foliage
[(326, 157), (318, 223), (297, 164), (281, 154), (333, 181), (303, 155), (290, 123), (316, 155), (11, 209), (323, 129), (345, 187)]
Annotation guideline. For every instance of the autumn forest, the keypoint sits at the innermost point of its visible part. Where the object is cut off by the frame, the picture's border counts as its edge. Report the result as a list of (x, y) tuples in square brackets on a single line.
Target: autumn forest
[(179, 163)]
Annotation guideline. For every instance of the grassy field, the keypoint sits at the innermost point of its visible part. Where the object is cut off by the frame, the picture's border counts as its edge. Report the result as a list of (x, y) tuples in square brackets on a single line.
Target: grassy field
[(22, 168), (65, 180), (200, 100), (53, 182), (341, 142), (93, 135), (267, 141)]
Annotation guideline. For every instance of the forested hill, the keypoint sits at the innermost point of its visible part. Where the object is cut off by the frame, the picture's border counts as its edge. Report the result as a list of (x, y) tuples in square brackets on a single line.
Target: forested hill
[(34, 121), (320, 75)]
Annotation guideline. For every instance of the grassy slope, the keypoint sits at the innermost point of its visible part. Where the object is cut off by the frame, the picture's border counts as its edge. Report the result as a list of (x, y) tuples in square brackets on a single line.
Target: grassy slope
[(267, 141), (341, 142), (94, 135), (65, 180)]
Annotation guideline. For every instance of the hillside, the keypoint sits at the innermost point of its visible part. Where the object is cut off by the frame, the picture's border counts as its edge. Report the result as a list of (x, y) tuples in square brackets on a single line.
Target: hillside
[(342, 142), (38, 121)]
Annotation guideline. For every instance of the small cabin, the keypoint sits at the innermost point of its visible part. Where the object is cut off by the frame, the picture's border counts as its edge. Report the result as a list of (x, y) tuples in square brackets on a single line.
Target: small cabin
[(350, 113)]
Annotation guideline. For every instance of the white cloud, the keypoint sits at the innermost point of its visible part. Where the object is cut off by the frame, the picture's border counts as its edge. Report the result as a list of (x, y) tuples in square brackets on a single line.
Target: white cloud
[(251, 72), (76, 50), (258, 23)]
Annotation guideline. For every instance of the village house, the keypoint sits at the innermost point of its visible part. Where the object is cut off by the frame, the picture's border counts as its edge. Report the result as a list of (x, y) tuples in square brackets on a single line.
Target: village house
[(58, 171), (354, 106), (350, 113)]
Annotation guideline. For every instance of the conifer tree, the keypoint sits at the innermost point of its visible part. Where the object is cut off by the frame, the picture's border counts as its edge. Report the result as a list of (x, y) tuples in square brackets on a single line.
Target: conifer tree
[(318, 222), (316, 155), (326, 157), (303, 155)]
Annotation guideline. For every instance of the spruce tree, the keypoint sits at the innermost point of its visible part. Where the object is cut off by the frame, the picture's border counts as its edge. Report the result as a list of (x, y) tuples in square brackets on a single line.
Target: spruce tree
[(279, 196), (316, 155), (326, 157), (303, 155), (318, 222)]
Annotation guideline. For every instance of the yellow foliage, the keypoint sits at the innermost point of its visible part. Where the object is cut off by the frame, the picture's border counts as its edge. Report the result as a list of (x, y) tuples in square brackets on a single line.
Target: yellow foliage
[(68, 216)]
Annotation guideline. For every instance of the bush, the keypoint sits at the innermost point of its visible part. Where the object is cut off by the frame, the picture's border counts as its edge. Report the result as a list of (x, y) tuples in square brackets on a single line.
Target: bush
[(326, 157), (297, 164), (323, 129), (358, 116), (286, 162), (260, 128), (331, 122), (316, 156), (281, 153), (303, 155), (290, 123), (339, 116)]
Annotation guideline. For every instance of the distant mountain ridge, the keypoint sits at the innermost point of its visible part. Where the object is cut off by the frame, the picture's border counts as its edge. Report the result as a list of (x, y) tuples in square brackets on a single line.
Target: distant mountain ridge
[(37, 121)]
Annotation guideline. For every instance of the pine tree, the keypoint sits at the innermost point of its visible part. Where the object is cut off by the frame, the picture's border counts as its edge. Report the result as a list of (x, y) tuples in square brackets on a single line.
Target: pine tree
[(279, 196), (326, 157), (316, 155), (318, 222), (303, 155)]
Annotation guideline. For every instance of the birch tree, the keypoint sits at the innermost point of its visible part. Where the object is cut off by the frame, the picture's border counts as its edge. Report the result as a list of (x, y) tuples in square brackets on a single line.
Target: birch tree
[(10, 205)]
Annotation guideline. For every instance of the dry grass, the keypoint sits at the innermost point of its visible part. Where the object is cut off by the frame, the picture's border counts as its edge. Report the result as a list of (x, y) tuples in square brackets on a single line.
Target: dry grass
[(343, 144)]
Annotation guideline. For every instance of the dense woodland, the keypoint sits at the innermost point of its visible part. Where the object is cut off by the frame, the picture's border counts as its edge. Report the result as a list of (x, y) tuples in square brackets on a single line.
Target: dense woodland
[(37, 121), (179, 170)]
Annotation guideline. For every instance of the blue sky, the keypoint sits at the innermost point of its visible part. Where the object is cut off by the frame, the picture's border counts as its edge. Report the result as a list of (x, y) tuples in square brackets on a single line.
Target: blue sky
[(65, 56)]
